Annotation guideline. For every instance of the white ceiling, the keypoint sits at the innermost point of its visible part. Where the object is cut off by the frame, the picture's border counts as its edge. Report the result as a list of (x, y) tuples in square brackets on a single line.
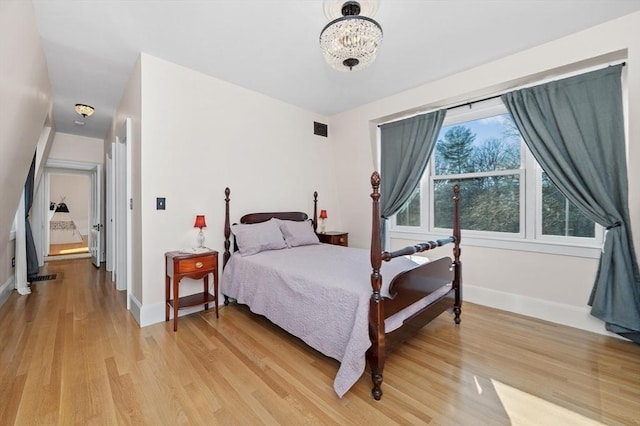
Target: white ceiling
[(271, 46)]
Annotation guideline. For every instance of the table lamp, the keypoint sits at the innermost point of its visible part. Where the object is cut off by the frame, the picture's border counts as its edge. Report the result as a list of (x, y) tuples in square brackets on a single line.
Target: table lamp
[(200, 223), (323, 216)]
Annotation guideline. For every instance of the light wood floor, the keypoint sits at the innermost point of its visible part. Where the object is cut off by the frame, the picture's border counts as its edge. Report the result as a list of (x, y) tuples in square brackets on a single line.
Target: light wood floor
[(70, 248), (70, 353)]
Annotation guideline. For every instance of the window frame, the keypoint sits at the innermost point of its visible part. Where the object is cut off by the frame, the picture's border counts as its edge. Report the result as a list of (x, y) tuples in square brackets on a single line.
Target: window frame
[(530, 237), (424, 214), (598, 231)]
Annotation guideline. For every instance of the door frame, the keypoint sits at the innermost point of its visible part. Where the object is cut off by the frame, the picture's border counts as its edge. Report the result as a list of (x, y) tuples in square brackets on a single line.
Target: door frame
[(119, 204), (56, 166), (110, 210), (96, 227)]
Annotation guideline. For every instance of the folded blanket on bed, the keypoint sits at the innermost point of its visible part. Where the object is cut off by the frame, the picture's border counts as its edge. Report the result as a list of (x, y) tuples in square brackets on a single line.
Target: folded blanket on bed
[(319, 293)]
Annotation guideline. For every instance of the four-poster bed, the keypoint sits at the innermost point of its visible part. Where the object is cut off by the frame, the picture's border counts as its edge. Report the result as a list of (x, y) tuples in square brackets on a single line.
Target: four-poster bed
[(321, 293)]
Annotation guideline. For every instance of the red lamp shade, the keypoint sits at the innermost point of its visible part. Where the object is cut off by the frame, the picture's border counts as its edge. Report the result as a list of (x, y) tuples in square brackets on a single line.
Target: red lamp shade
[(200, 223), (323, 214)]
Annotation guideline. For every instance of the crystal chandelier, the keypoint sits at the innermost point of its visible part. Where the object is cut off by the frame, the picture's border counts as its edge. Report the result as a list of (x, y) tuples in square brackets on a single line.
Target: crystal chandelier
[(350, 42)]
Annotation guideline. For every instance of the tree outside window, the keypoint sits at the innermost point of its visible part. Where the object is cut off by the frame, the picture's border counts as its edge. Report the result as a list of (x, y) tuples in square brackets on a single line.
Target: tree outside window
[(487, 169)]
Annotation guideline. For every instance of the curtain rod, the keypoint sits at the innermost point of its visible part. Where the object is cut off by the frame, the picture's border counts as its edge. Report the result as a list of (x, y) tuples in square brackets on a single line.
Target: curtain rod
[(488, 98), (469, 103), (496, 96)]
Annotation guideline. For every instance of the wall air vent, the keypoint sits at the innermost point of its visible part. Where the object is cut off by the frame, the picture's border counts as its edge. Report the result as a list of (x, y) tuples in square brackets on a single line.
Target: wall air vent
[(320, 129)]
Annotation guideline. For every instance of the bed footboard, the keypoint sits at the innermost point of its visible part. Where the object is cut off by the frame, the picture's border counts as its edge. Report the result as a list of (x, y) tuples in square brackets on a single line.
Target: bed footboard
[(407, 288), (415, 284)]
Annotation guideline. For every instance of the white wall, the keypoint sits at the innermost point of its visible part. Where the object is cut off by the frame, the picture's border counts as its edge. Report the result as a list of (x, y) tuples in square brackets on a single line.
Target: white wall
[(77, 148), (200, 135), (551, 287), (25, 104)]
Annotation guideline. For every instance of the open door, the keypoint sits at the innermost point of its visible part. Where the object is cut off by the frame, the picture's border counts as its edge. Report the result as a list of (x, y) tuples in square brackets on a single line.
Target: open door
[(120, 218), (120, 207), (95, 236)]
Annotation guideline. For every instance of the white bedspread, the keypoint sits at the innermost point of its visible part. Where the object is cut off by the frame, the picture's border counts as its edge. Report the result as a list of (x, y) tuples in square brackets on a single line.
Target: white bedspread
[(319, 293)]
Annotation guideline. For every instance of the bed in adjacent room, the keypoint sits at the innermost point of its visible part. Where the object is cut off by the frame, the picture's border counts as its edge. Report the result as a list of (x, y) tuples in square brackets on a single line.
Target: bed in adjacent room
[(63, 229)]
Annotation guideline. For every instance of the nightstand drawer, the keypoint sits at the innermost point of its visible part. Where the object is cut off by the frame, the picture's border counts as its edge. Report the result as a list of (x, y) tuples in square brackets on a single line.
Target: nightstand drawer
[(335, 238), (195, 264)]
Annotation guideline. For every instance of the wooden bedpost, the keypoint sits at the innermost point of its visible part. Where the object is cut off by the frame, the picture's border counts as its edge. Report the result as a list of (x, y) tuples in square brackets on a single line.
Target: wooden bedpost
[(227, 234), (376, 352), (457, 277), (315, 210)]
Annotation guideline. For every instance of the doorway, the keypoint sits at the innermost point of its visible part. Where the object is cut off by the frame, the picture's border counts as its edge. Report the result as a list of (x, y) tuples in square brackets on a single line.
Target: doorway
[(68, 216), (76, 177)]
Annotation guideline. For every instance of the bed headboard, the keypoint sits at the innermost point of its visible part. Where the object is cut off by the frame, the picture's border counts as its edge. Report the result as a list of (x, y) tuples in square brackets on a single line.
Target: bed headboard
[(261, 217)]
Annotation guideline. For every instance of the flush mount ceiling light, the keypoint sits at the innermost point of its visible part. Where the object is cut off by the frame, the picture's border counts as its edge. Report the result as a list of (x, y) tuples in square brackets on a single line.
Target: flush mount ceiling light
[(84, 110), (350, 42)]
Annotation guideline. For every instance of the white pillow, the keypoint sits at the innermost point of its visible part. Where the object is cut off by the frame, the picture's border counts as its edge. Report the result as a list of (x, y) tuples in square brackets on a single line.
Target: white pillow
[(298, 233), (256, 237)]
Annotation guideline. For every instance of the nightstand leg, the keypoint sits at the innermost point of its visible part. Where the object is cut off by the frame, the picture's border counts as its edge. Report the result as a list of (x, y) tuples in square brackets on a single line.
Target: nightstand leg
[(167, 296), (206, 290), (215, 289), (176, 302)]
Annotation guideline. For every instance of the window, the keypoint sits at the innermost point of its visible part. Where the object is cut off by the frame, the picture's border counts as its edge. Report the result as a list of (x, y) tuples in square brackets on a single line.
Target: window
[(409, 214), (504, 193), (560, 216)]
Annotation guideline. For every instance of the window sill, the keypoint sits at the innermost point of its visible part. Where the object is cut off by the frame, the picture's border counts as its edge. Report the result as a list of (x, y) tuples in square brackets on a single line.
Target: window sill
[(536, 246)]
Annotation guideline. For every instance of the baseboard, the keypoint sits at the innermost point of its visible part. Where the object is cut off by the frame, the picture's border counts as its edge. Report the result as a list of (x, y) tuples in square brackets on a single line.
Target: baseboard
[(153, 314), (67, 257), (135, 308), (560, 313), (6, 289)]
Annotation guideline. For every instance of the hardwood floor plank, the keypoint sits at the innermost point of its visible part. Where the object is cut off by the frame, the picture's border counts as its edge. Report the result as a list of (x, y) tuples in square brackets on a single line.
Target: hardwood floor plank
[(72, 354), (12, 398)]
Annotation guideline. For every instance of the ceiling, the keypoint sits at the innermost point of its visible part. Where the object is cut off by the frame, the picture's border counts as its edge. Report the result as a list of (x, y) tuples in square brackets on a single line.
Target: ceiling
[(271, 46)]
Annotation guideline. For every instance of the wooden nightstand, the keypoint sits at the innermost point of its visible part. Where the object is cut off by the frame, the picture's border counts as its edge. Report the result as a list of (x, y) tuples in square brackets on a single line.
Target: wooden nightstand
[(335, 238), (195, 266)]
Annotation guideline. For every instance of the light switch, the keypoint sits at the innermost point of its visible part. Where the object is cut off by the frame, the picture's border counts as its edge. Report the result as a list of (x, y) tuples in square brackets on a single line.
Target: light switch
[(160, 203)]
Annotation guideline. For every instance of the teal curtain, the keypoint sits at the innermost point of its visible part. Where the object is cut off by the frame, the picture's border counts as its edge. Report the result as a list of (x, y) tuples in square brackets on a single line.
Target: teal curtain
[(575, 129), (405, 148)]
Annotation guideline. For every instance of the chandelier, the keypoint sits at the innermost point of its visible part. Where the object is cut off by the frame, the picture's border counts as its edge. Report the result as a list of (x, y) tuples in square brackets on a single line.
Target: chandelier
[(350, 42), (84, 110)]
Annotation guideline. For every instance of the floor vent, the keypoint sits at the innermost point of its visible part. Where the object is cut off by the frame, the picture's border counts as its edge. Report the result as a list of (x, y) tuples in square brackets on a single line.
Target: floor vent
[(42, 278)]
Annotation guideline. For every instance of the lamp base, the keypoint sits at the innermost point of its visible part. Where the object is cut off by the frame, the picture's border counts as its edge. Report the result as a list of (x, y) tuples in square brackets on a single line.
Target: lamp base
[(200, 239)]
